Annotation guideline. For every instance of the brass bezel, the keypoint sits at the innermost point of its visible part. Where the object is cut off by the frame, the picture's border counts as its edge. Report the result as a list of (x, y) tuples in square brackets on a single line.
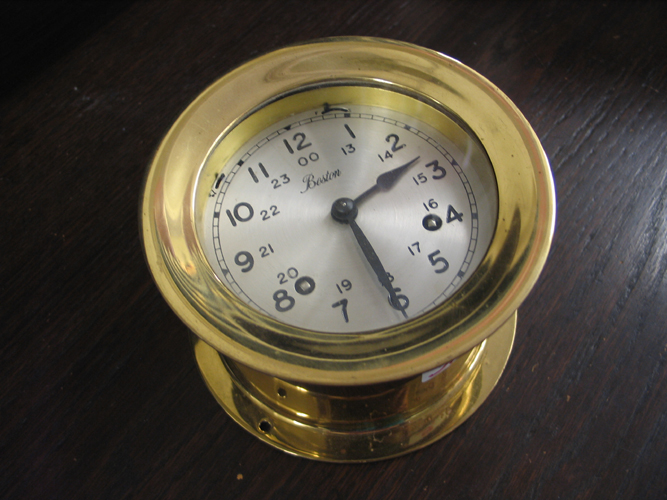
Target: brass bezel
[(526, 212)]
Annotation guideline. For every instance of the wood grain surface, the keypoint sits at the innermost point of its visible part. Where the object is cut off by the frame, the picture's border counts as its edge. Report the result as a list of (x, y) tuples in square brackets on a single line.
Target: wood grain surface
[(100, 396)]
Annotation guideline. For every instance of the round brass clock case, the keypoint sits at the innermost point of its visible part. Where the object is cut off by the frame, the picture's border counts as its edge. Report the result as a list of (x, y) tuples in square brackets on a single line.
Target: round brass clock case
[(348, 227)]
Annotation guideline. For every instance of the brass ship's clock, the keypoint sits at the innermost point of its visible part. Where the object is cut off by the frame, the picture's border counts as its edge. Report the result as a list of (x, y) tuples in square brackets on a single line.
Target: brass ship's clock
[(348, 226)]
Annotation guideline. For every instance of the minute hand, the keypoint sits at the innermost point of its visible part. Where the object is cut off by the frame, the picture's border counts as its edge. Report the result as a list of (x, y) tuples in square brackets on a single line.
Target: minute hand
[(376, 265), (385, 181)]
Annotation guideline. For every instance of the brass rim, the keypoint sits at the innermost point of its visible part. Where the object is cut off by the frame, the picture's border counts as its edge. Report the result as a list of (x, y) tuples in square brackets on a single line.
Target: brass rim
[(526, 211)]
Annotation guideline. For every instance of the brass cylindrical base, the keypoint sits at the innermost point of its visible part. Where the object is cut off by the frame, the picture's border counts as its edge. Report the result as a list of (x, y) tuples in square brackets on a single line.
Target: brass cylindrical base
[(357, 423)]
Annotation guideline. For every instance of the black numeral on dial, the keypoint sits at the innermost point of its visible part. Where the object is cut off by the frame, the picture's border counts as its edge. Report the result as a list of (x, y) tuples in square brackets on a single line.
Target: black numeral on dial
[(453, 215), (437, 169), (283, 301), (303, 286), (245, 261), (402, 301), (271, 212), (254, 175), (342, 303), (393, 139), (300, 140), (243, 212), (395, 146), (435, 261)]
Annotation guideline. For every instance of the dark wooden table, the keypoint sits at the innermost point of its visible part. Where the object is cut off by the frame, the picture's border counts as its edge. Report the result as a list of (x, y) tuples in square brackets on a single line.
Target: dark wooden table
[(100, 396)]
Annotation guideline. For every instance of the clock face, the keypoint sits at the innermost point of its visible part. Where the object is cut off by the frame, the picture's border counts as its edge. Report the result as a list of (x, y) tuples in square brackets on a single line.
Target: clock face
[(350, 217)]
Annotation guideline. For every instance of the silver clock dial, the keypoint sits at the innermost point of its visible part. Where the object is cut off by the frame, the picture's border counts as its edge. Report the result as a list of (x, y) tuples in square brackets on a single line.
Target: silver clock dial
[(418, 215)]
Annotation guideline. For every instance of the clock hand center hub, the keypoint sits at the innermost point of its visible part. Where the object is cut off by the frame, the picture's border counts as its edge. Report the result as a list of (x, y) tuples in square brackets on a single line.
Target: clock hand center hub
[(344, 210)]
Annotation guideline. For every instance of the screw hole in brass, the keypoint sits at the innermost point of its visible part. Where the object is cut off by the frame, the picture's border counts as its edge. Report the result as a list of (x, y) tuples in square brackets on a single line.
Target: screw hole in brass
[(282, 392), (265, 426)]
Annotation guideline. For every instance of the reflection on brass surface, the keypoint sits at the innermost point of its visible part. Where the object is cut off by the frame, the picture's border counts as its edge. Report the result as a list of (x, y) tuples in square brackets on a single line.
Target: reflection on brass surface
[(340, 407), (359, 423)]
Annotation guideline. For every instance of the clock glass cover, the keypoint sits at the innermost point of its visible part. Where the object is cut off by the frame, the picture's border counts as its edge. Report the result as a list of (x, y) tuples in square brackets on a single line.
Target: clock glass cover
[(422, 199)]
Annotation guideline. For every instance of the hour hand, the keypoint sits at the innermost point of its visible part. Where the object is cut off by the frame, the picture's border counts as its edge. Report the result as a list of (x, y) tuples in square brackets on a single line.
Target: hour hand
[(386, 181)]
